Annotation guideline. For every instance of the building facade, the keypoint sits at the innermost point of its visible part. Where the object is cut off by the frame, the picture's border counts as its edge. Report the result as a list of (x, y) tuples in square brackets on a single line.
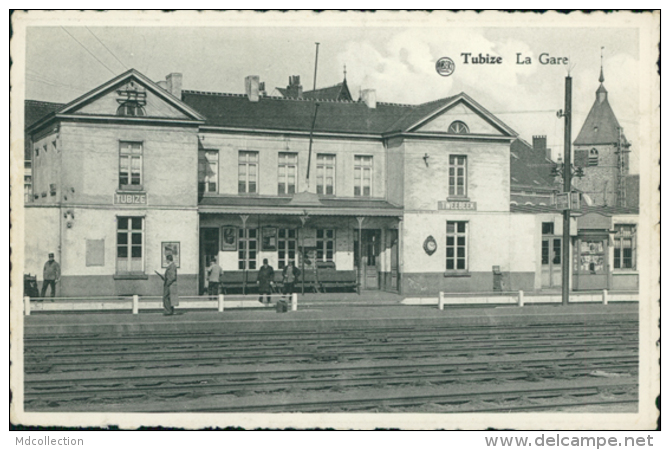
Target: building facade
[(413, 199)]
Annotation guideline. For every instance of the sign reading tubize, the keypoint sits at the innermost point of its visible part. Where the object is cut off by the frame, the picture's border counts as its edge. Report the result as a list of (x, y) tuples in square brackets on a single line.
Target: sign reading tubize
[(464, 206), (130, 199)]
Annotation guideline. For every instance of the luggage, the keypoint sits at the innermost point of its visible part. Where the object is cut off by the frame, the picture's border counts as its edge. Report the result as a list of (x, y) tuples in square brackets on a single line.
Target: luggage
[(282, 306)]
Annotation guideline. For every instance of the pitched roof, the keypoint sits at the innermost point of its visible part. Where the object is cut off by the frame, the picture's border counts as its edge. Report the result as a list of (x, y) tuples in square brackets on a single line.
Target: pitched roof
[(604, 210), (340, 92), (276, 113), (33, 111), (633, 190), (529, 167), (601, 126), (235, 110)]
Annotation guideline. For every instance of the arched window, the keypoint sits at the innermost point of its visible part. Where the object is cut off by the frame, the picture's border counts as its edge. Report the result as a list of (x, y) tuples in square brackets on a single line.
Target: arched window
[(458, 127), (130, 108), (593, 157)]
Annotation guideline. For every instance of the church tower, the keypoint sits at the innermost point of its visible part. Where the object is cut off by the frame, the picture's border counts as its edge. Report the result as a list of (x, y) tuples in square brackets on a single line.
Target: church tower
[(602, 150)]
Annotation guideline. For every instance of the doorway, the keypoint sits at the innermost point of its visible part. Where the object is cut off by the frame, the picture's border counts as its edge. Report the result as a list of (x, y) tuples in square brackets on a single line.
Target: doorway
[(209, 249), (551, 262), (368, 262)]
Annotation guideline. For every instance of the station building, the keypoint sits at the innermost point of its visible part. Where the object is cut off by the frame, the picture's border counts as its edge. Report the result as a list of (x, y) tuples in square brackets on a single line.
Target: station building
[(412, 199)]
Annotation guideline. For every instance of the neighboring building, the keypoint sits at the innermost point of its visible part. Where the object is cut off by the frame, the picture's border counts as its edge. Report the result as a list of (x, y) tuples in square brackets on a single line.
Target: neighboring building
[(603, 231), (532, 180), (339, 92), (603, 152)]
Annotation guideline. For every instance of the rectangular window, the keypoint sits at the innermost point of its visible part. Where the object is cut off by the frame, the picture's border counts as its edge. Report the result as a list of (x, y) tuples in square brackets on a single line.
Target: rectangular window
[(208, 170), (457, 245), (325, 245), (547, 227), (362, 176), (288, 173), (325, 174), (247, 248), (287, 243), (130, 165), (247, 172), (457, 176), (129, 244), (624, 247)]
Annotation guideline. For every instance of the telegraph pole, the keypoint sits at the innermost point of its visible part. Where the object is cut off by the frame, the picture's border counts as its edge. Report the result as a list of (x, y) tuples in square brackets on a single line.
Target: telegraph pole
[(567, 175)]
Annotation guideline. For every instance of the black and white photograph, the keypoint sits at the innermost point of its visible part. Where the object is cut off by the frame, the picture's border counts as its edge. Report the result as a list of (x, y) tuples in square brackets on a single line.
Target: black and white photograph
[(345, 220)]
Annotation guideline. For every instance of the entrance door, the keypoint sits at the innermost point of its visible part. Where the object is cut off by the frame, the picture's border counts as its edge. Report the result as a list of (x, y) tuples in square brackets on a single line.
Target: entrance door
[(369, 259), (551, 262), (209, 249)]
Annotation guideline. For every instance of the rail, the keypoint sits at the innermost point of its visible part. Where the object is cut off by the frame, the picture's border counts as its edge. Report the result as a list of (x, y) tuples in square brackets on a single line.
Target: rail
[(137, 302)]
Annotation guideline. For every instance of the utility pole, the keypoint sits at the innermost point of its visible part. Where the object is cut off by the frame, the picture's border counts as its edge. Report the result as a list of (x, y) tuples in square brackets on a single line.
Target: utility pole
[(567, 175)]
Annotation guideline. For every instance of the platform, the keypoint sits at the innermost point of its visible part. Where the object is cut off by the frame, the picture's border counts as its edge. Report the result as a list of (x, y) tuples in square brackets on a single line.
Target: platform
[(316, 318)]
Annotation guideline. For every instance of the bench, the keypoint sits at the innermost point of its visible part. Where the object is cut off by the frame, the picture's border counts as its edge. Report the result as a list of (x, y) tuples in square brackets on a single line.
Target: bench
[(325, 279)]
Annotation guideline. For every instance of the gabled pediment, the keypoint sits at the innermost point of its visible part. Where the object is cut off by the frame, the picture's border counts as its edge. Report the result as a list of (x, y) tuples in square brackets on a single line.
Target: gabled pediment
[(132, 92), (451, 120), (450, 116)]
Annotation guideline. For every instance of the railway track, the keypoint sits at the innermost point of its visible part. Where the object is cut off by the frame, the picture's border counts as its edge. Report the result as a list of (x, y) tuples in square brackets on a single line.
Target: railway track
[(165, 373)]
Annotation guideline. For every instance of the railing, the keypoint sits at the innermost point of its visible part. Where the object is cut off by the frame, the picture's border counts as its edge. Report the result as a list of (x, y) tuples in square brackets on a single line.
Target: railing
[(520, 298), (136, 302)]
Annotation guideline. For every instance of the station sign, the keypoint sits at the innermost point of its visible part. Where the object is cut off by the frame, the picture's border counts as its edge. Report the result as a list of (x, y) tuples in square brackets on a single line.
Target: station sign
[(130, 198), (460, 206), (568, 200)]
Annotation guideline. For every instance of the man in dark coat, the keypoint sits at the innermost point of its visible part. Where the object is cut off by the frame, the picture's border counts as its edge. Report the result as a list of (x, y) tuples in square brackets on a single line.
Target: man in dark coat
[(265, 280), (290, 275)]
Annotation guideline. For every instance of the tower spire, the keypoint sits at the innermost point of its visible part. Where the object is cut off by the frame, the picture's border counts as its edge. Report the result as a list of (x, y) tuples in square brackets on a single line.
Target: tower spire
[(602, 77), (345, 72)]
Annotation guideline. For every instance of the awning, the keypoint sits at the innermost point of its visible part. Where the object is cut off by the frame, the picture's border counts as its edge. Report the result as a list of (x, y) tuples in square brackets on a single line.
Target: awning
[(275, 206)]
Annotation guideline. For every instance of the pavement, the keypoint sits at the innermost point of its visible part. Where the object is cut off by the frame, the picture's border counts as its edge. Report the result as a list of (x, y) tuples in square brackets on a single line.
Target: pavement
[(323, 316)]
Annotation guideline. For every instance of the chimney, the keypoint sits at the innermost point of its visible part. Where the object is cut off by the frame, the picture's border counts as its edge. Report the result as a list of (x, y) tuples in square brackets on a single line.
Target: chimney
[(261, 89), (163, 85), (294, 88), (174, 84), (369, 96), (251, 87), (540, 145)]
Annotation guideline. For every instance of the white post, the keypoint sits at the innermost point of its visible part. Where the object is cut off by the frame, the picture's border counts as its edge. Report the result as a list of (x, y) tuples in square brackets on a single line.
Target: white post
[(440, 301), (220, 302), (136, 304), (520, 297), (294, 302), (26, 303), (605, 296)]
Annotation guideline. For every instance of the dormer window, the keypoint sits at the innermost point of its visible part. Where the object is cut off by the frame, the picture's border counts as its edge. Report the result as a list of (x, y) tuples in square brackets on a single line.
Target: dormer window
[(458, 127), (593, 157), (131, 108)]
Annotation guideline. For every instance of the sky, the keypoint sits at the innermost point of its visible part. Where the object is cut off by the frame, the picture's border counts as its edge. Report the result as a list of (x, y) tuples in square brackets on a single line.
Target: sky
[(398, 61)]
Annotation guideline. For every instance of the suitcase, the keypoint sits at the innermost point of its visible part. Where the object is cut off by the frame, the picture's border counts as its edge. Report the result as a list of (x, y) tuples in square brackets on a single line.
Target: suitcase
[(281, 306)]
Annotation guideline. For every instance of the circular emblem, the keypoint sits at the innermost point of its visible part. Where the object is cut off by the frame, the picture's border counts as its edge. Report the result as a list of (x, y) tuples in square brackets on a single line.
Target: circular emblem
[(430, 245), (445, 66)]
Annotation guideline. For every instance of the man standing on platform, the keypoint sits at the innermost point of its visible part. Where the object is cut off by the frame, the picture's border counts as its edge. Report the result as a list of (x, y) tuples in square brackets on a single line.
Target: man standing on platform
[(51, 275), (265, 280), (214, 273), (170, 291), (289, 277)]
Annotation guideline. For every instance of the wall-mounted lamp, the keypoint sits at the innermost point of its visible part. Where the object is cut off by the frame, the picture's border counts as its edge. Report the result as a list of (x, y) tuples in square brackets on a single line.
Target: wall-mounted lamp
[(425, 159)]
